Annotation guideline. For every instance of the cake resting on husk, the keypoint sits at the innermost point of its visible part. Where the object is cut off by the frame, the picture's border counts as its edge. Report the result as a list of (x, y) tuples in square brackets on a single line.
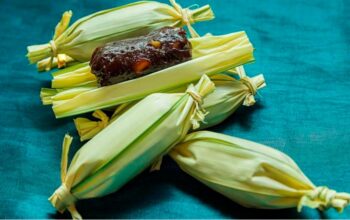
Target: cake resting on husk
[(135, 57)]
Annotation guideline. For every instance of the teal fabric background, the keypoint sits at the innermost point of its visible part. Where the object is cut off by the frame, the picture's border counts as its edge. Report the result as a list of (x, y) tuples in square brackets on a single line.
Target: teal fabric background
[(303, 49)]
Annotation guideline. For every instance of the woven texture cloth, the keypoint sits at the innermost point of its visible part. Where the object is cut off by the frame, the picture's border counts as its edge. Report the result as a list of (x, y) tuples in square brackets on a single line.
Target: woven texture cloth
[(303, 49)]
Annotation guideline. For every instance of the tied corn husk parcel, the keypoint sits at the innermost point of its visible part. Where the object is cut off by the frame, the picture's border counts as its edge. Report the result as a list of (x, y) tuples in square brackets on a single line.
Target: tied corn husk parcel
[(228, 95), (142, 119), (97, 171), (211, 55), (251, 174), (78, 41)]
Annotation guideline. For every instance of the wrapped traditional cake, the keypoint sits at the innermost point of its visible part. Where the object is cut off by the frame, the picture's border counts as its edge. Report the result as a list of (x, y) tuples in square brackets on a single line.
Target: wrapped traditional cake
[(129, 145), (79, 40), (210, 55), (229, 94), (131, 58), (252, 174)]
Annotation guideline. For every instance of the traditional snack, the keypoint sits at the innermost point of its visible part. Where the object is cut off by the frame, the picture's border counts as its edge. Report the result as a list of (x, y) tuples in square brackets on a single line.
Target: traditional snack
[(79, 40), (129, 145), (131, 58), (229, 95), (252, 174), (210, 55)]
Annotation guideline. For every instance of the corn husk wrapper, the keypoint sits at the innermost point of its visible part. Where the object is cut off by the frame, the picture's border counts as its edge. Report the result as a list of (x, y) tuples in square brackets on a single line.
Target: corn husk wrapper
[(212, 55), (251, 174), (80, 75), (78, 41), (229, 94), (62, 94), (129, 145), (74, 76)]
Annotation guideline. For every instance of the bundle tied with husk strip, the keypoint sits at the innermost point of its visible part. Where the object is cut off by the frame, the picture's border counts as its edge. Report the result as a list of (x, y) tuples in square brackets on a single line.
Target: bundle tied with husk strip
[(129, 145), (251, 174), (211, 55), (78, 41), (229, 94)]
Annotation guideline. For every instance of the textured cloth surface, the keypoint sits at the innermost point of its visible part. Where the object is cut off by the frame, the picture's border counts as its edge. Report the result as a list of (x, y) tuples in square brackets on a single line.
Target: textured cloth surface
[(303, 49)]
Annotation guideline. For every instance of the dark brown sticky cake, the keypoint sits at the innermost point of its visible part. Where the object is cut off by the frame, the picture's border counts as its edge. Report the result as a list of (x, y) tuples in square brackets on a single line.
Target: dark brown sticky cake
[(135, 57)]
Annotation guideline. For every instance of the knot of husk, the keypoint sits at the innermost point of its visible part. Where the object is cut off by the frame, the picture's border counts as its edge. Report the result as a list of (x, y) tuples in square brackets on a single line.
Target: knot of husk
[(62, 199), (323, 198)]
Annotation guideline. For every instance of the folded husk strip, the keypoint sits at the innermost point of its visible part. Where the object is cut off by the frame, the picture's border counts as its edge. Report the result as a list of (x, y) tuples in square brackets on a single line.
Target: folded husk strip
[(251, 174), (232, 50), (75, 76), (129, 145), (78, 41), (229, 94), (60, 95)]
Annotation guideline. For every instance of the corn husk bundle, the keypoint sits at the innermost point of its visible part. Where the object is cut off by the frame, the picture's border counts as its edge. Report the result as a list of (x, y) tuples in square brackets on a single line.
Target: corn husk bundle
[(80, 75), (211, 55), (148, 123), (78, 41), (129, 145), (229, 94), (251, 174)]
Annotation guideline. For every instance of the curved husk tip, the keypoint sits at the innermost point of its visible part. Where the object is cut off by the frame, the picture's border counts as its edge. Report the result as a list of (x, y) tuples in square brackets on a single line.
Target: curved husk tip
[(323, 198), (259, 81), (253, 85), (43, 53), (63, 23), (35, 53), (46, 95), (205, 86), (87, 128), (203, 13), (62, 200)]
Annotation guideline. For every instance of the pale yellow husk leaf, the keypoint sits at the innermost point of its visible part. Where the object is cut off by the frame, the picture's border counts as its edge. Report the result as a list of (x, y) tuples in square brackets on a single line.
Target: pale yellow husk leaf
[(201, 46), (251, 174), (230, 93), (232, 50), (79, 40), (129, 145)]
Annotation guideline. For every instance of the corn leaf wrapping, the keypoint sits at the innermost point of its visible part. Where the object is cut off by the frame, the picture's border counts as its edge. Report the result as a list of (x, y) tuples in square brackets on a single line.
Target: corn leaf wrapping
[(214, 54), (229, 94), (78, 41), (251, 174), (80, 75), (74, 76), (129, 145)]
